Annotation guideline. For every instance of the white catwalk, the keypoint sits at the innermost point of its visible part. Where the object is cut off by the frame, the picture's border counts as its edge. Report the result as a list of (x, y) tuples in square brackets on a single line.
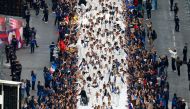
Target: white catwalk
[(102, 56)]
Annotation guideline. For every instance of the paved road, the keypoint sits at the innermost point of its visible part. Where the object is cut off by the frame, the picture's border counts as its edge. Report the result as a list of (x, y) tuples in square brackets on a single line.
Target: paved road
[(164, 25), (46, 33)]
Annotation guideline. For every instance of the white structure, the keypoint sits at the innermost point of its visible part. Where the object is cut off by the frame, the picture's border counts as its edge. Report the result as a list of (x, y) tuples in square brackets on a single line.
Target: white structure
[(9, 94)]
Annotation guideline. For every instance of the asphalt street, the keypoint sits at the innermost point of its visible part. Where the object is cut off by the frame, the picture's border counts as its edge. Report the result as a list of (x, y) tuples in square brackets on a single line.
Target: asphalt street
[(163, 23)]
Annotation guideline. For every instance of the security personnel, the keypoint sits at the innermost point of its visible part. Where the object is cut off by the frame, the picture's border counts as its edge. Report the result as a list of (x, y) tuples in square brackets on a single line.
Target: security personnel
[(185, 54), (178, 64), (14, 43), (52, 46), (176, 24), (12, 58), (7, 50), (13, 68), (188, 69), (18, 70)]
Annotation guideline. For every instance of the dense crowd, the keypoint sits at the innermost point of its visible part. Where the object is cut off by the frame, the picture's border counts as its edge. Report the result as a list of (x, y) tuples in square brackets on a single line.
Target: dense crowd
[(59, 91), (100, 59)]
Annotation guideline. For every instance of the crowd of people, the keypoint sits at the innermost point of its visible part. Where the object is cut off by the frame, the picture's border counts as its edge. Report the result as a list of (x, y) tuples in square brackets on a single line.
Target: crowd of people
[(100, 60), (102, 55), (60, 88)]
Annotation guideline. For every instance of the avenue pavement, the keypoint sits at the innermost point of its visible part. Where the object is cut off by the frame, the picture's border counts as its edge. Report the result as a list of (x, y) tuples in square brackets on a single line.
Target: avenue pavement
[(163, 23)]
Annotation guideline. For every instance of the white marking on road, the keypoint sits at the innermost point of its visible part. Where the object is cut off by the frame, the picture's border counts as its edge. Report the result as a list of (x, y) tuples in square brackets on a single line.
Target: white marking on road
[(173, 38), (170, 14), (173, 32), (174, 41)]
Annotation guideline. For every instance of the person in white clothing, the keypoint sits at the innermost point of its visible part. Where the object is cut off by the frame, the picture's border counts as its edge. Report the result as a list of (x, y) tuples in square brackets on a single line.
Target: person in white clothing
[(117, 96), (173, 56)]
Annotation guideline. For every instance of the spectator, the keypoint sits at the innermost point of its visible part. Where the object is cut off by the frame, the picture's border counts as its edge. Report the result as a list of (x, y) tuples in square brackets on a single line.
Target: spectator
[(28, 85), (33, 75), (174, 101)]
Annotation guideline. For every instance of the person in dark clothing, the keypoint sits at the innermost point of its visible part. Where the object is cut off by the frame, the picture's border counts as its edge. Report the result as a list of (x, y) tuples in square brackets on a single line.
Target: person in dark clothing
[(33, 35), (31, 103), (42, 4), (188, 70), (82, 2), (185, 54), (37, 8), (183, 104), (174, 101), (176, 9), (12, 58), (32, 45), (54, 5), (178, 64), (176, 24), (26, 34), (33, 75), (13, 68), (46, 12), (83, 96), (166, 64), (58, 16), (52, 46), (171, 5), (25, 7), (148, 9), (14, 43), (18, 70), (27, 17), (154, 35), (7, 51), (28, 85)]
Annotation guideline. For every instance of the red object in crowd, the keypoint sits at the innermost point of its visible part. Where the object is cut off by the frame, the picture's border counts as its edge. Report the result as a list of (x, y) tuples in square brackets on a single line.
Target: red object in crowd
[(135, 2), (67, 18), (136, 27), (144, 82), (62, 45)]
